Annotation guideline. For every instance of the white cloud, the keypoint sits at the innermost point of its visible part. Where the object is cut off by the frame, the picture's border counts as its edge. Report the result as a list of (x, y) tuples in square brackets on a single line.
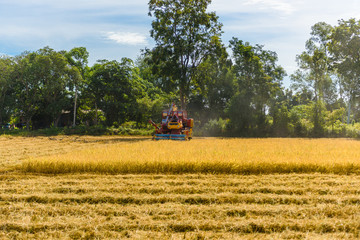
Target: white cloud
[(278, 5), (127, 38), (282, 7)]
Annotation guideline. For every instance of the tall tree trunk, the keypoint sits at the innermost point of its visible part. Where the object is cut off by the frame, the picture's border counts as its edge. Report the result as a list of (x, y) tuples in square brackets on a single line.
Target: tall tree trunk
[(96, 114), (56, 122), (349, 107), (182, 100), (75, 102), (1, 107), (1, 116), (28, 123)]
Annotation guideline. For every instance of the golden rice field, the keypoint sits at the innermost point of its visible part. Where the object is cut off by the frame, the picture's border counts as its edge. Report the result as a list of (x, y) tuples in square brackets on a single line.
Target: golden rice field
[(208, 156), (72, 187)]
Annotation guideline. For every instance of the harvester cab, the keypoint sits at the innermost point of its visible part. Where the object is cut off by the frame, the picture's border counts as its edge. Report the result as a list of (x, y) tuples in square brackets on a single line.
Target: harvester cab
[(174, 125)]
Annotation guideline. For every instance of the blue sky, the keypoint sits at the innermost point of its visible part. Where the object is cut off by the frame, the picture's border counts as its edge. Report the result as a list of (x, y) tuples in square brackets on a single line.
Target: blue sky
[(112, 29)]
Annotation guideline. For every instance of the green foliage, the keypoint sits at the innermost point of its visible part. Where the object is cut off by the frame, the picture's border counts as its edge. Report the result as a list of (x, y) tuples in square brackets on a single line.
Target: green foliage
[(239, 112), (238, 95), (78, 59), (299, 125), (126, 129), (317, 118), (281, 120), (215, 86), (344, 47), (215, 128), (313, 120), (114, 87), (315, 70), (258, 79), (333, 120), (90, 117), (54, 89), (149, 109), (41, 81), (6, 71), (185, 35)]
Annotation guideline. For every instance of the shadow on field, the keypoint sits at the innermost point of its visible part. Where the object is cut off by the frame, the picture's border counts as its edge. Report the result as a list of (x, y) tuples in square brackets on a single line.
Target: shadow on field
[(113, 140), (125, 140), (102, 139)]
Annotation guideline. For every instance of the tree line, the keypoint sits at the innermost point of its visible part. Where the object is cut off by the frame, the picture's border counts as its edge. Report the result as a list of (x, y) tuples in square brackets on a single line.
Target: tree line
[(230, 89)]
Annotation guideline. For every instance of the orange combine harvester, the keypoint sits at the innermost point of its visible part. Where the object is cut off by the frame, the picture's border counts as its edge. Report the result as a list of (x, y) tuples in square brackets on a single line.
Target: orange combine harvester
[(174, 125)]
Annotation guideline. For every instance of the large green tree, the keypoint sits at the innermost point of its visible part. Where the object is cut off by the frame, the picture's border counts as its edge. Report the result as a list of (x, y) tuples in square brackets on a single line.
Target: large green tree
[(258, 78), (78, 59), (114, 87), (185, 35), (315, 73), (214, 86), (6, 69), (42, 85), (56, 76), (344, 47), (314, 63), (27, 86)]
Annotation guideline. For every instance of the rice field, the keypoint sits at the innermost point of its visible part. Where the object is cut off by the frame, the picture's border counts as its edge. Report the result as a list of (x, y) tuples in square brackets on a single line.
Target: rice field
[(134, 188), (208, 156)]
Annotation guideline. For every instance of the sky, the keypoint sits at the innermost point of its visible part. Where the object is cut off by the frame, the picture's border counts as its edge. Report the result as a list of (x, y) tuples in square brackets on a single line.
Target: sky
[(113, 29)]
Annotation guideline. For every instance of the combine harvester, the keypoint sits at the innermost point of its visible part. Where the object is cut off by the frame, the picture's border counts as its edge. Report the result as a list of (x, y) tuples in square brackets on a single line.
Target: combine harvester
[(174, 125)]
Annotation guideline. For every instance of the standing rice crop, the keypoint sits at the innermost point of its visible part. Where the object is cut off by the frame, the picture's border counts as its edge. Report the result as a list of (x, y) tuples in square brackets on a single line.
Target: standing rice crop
[(219, 156)]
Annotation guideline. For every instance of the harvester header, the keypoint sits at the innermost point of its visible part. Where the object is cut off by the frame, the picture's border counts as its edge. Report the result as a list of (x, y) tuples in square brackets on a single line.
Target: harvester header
[(174, 125)]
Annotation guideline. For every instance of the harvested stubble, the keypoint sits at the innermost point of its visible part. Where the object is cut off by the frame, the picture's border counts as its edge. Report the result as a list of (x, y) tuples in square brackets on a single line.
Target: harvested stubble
[(178, 206), (84, 206), (14, 150), (215, 156)]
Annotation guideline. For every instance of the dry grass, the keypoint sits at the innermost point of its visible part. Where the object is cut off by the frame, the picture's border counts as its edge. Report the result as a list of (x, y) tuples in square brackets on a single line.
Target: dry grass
[(180, 207), (220, 156), (13, 150)]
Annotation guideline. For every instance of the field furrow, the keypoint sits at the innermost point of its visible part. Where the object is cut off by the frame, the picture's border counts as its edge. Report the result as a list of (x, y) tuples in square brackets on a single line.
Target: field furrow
[(177, 206)]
